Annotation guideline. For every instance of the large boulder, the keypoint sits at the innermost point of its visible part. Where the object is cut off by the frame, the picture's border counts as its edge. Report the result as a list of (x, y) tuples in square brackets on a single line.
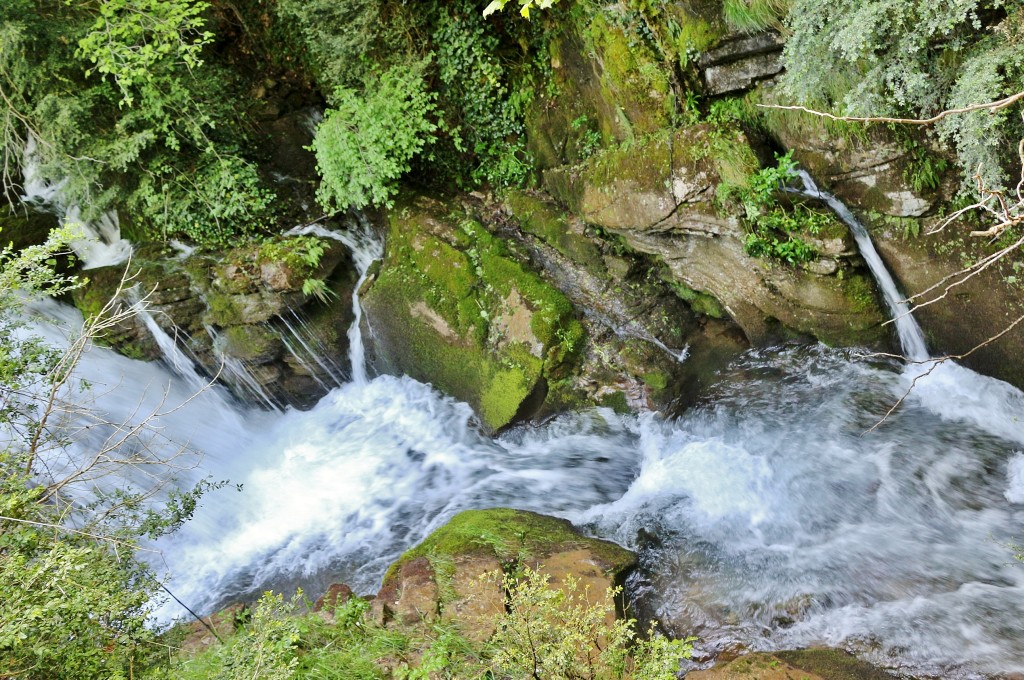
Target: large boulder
[(450, 305), (455, 573)]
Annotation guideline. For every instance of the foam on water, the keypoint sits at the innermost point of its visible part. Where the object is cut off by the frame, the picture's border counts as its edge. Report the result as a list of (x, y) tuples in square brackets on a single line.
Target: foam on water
[(781, 520)]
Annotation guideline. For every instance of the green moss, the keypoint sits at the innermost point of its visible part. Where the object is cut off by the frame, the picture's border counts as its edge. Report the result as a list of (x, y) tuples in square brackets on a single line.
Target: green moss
[(548, 224), (833, 664), (504, 393), (656, 380), (250, 343), (445, 283), (222, 310), (860, 290), (632, 77), (616, 401), (510, 535), (701, 303)]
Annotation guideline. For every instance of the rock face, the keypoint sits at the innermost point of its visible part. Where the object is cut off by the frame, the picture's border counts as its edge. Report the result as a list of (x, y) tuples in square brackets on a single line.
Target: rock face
[(520, 311), (970, 314), (739, 62), (240, 314), (662, 199)]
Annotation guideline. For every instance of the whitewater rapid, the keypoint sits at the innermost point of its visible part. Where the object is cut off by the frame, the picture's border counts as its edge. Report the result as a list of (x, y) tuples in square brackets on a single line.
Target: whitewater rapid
[(779, 512)]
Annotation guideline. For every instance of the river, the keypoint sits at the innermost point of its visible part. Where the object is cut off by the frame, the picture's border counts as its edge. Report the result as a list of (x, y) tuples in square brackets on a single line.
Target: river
[(779, 512)]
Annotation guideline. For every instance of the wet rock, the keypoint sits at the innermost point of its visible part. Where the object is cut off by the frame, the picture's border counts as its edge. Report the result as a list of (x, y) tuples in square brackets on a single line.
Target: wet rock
[(970, 314), (251, 303)]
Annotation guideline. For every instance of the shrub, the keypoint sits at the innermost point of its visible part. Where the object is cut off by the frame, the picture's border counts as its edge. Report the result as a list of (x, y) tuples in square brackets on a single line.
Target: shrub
[(366, 140)]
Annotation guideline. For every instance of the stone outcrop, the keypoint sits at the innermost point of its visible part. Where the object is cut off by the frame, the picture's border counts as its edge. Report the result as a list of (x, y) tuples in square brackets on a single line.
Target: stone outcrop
[(661, 198), (455, 574), (739, 62), (969, 315), (240, 314)]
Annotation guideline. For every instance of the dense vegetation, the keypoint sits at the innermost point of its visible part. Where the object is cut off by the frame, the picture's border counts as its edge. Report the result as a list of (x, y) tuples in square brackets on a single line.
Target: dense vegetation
[(157, 108)]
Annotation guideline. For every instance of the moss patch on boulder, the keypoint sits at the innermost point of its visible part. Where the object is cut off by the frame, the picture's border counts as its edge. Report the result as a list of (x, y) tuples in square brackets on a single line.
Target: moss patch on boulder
[(513, 536), (451, 306)]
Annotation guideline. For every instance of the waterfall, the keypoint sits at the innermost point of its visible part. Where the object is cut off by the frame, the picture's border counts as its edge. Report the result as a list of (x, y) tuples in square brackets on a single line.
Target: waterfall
[(101, 244), (911, 337), (779, 520), (365, 248)]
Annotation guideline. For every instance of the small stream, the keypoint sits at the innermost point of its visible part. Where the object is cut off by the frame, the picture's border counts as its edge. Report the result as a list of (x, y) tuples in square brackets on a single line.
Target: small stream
[(773, 515)]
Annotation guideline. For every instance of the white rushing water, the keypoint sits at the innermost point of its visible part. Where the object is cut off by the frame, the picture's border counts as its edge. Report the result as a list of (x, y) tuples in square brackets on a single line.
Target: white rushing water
[(911, 337), (781, 518), (101, 244)]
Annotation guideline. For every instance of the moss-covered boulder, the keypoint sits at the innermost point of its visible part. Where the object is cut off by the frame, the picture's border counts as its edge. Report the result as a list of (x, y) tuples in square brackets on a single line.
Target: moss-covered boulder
[(451, 306), (807, 664), (455, 573)]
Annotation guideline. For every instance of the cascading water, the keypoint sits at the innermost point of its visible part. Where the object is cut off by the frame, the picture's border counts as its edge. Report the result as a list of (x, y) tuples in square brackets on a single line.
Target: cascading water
[(781, 518), (365, 248), (911, 337), (101, 244)]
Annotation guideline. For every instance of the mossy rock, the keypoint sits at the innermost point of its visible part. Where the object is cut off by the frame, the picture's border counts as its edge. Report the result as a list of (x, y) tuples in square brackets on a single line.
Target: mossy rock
[(450, 305), (251, 344), (806, 664), (545, 221), (514, 536), (604, 83), (23, 227)]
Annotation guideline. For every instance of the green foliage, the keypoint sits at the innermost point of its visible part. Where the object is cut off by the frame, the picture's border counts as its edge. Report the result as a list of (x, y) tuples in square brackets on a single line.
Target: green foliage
[(483, 102), (924, 169), (885, 58), (344, 41), (556, 634), (752, 16), (774, 232), (589, 141), (524, 6), (123, 114), (561, 634), (366, 140), (130, 39)]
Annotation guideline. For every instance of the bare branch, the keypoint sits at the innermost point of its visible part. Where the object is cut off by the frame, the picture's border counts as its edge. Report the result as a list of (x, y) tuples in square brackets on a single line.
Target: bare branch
[(991, 107)]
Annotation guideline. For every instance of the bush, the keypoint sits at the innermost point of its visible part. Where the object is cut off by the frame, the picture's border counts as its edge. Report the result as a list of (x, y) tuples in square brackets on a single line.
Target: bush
[(910, 58), (366, 140), (556, 634)]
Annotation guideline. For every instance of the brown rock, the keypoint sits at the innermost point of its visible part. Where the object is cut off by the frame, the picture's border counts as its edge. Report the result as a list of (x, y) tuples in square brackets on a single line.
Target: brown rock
[(337, 594), (478, 600), (408, 598), (223, 623)]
